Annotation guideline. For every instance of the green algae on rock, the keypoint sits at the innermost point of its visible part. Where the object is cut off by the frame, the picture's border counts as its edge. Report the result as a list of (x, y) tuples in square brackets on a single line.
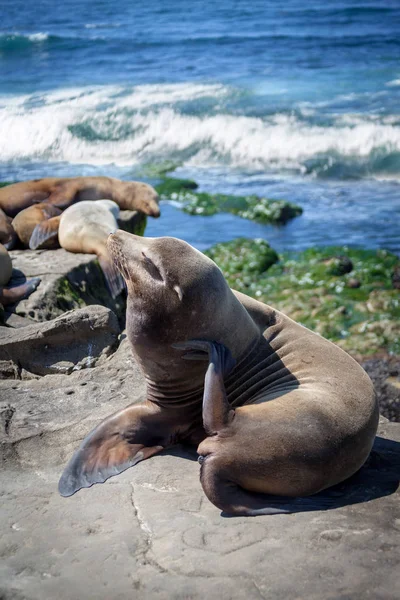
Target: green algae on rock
[(261, 210), (363, 319), (243, 258), (170, 185)]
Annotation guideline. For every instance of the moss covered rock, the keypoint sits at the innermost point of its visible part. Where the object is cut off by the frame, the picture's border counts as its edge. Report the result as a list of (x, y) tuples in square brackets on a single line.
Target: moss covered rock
[(242, 259), (363, 319), (261, 210), (171, 186)]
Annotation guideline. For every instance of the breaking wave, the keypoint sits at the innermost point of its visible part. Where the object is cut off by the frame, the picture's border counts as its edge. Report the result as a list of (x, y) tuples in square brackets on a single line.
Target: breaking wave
[(190, 123)]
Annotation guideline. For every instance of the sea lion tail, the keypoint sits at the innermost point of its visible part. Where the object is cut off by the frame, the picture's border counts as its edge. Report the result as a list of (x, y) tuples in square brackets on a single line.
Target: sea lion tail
[(114, 279), (45, 234)]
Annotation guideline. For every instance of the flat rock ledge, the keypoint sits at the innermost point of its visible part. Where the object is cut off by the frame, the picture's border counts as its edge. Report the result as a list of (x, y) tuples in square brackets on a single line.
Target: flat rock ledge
[(150, 533)]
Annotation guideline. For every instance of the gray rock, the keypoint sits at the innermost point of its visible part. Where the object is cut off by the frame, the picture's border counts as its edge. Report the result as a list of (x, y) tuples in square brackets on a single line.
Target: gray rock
[(150, 533), (68, 280), (385, 374), (76, 340)]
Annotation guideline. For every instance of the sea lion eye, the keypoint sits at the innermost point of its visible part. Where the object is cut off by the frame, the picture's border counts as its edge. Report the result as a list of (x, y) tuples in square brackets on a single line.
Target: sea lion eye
[(151, 267)]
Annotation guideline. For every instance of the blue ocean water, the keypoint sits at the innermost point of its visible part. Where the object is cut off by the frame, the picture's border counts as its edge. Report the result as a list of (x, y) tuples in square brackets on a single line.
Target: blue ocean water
[(295, 100)]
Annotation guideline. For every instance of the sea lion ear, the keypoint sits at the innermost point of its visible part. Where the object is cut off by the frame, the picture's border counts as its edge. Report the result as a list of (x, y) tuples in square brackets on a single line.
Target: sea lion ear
[(178, 290)]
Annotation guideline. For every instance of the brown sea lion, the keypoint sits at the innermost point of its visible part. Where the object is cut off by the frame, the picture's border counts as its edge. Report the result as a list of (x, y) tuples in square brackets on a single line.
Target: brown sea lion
[(8, 237), (62, 192), (27, 220), (279, 411), (10, 295), (84, 227)]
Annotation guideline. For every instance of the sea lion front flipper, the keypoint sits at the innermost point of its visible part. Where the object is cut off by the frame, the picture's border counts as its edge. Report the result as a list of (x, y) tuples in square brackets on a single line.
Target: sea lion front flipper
[(217, 412), (114, 279), (45, 234), (119, 442)]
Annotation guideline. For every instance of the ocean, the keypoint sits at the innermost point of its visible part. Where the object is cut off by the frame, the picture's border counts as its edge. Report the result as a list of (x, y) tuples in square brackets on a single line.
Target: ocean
[(295, 100)]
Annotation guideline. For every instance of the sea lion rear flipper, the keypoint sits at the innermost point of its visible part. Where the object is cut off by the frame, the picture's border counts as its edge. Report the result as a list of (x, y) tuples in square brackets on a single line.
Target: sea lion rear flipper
[(114, 280), (15, 294), (45, 234), (234, 500), (112, 447)]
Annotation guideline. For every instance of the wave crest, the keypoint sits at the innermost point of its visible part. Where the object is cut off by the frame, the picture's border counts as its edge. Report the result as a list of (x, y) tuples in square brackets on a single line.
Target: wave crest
[(153, 122)]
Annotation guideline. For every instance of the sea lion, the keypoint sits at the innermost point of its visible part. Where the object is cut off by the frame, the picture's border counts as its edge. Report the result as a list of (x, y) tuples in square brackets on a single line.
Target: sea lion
[(10, 295), (62, 192), (37, 217), (8, 237), (84, 227), (279, 412)]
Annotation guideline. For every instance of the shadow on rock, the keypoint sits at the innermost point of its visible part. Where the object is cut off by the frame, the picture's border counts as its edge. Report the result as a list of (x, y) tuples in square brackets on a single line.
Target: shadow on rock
[(379, 477)]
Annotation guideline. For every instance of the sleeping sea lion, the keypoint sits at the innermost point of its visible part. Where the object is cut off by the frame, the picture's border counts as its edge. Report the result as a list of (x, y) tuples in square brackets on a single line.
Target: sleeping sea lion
[(279, 413), (10, 295), (62, 192), (84, 227), (27, 221)]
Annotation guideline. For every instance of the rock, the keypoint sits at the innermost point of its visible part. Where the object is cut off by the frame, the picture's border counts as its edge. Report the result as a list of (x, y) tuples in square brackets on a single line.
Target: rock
[(68, 280), (150, 533), (11, 319), (385, 373), (339, 265), (260, 210), (396, 277), (76, 340), (242, 258), (132, 221), (353, 283)]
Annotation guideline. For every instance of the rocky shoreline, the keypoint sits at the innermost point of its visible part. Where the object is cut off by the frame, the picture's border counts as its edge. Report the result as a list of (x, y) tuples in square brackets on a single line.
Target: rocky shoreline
[(65, 364)]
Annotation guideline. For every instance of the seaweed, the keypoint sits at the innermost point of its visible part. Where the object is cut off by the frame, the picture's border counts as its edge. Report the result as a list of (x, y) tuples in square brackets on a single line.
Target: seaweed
[(358, 309)]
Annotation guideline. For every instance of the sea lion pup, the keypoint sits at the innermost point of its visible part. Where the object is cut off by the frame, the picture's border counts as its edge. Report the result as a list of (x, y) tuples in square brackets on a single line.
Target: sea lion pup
[(279, 411), (36, 218), (84, 227), (11, 295), (8, 237), (62, 192)]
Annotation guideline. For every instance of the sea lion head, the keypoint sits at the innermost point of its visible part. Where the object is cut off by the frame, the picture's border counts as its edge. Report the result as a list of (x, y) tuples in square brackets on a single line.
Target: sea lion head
[(141, 196), (176, 293)]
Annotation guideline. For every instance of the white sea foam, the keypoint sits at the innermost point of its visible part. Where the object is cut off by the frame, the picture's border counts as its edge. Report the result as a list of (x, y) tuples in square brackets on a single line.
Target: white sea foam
[(103, 125), (393, 83), (38, 37), (102, 25)]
